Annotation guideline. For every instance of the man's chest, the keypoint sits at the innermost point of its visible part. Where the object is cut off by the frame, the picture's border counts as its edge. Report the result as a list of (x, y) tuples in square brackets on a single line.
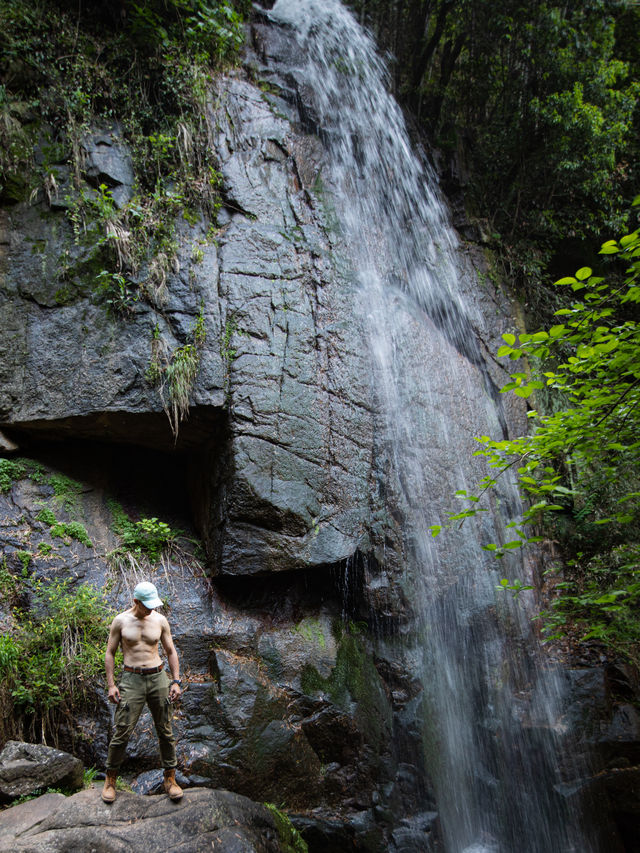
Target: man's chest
[(135, 633)]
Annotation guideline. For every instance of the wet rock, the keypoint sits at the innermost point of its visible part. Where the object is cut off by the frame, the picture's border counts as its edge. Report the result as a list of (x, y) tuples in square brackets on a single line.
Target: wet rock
[(203, 819), (107, 162), (27, 767)]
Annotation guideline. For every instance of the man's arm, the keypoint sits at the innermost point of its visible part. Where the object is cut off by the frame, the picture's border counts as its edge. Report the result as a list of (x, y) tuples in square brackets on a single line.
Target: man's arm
[(110, 660), (172, 657)]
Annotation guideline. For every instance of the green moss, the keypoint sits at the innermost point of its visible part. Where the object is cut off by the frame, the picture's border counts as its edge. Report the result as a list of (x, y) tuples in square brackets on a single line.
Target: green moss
[(25, 559), (66, 490), (354, 678), (311, 630), (290, 839), (68, 530), (64, 295), (46, 516), (9, 471)]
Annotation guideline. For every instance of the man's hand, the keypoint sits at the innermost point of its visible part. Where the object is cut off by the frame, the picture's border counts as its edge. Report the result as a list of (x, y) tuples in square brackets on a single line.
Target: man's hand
[(174, 692), (114, 694)]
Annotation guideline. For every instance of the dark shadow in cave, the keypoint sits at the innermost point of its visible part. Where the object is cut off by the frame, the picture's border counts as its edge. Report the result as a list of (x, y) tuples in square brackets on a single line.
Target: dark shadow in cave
[(286, 597)]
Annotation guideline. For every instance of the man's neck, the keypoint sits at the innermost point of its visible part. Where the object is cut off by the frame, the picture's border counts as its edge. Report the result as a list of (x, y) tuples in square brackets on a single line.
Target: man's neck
[(141, 612)]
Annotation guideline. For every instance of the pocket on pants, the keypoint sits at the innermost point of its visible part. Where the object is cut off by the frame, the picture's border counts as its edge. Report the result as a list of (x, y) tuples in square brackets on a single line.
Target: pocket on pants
[(166, 710), (123, 713)]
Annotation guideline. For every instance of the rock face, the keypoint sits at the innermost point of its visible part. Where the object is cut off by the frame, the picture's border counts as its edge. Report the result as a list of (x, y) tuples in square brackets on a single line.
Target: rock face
[(202, 820), (605, 725), (281, 408), (27, 767)]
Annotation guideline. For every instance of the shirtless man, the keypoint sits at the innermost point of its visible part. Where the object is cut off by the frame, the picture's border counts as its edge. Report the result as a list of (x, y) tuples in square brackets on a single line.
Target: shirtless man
[(144, 680)]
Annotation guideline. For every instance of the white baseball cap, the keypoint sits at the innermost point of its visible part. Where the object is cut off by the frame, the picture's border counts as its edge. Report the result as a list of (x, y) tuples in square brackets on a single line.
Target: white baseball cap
[(147, 594)]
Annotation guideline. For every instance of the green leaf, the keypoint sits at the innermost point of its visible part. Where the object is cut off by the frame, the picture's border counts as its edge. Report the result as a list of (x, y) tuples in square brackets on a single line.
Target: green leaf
[(509, 338), (584, 273)]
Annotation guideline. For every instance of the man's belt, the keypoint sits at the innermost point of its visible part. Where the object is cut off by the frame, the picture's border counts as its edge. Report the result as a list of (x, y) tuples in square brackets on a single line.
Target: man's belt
[(144, 670)]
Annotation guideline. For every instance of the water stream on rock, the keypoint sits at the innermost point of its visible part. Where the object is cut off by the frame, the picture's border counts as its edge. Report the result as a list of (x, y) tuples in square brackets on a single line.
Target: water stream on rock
[(491, 735)]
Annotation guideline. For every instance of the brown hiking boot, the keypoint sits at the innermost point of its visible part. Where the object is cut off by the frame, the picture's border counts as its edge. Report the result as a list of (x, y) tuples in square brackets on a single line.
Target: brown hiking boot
[(171, 786), (109, 789)]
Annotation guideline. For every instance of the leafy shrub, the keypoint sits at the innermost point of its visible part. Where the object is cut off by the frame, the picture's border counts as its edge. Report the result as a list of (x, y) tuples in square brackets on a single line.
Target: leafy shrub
[(147, 537), (214, 29), (578, 467), (54, 653)]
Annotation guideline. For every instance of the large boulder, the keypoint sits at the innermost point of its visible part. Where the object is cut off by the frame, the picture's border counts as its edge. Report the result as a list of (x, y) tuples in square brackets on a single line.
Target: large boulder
[(202, 820), (28, 767)]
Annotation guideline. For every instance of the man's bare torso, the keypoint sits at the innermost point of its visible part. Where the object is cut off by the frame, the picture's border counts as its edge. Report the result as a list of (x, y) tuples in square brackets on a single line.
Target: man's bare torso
[(139, 638)]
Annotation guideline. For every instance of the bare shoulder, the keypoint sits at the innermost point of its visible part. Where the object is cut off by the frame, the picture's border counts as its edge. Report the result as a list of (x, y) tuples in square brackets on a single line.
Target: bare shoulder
[(163, 621), (118, 621)]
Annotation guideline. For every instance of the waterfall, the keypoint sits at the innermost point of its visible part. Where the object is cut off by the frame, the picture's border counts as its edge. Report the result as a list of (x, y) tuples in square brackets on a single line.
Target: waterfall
[(491, 731)]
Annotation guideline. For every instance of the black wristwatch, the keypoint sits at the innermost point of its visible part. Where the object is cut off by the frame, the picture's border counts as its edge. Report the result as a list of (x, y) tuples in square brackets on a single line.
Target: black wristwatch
[(176, 681)]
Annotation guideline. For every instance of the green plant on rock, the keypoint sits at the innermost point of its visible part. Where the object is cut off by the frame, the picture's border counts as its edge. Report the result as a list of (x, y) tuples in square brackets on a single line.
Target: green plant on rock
[(25, 560), (180, 376), (53, 655), (66, 490), (117, 292), (10, 471), (68, 530), (148, 537), (226, 350), (200, 328), (46, 516), (65, 530)]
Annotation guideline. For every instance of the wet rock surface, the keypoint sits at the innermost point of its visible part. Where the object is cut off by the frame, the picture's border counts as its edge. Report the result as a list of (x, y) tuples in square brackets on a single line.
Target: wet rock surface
[(202, 820), (27, 767), (604, 722)]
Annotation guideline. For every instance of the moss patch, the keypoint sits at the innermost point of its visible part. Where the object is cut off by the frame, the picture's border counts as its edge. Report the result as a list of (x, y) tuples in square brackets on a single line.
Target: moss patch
[(354, 679), (290, 838)]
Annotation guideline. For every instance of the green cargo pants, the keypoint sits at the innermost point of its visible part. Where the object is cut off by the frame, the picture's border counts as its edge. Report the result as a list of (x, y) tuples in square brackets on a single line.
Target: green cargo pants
[(135, 691)]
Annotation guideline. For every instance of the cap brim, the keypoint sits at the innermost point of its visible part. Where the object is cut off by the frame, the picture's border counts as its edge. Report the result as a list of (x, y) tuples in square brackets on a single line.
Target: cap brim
[(151, 604)]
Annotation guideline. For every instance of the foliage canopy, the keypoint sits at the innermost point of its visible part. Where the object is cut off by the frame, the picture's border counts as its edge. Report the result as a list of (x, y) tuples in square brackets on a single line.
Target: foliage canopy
[(536, 103)]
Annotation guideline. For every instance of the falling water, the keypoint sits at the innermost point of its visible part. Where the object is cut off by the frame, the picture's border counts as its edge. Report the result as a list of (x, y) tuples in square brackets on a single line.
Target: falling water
[(491, 736)]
